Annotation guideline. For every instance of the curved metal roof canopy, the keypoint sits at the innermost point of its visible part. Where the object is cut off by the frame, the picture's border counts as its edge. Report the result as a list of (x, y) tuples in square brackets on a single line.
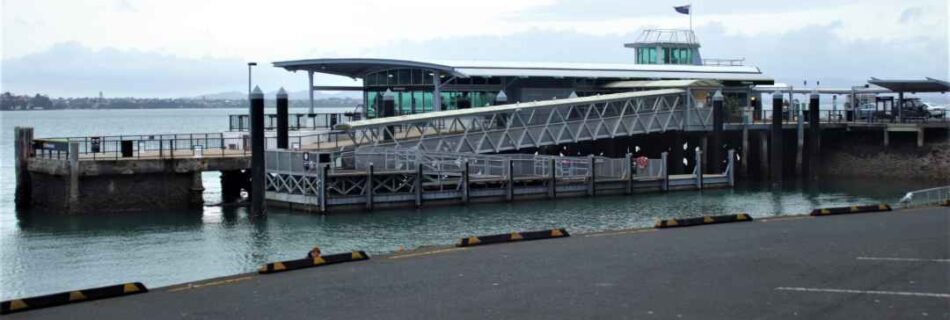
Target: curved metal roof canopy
[(356, 68), (926, 85), (359, 67)]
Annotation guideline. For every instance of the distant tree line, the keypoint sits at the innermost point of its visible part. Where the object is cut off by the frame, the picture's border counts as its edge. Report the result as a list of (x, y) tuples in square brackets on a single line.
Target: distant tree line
[(10, 101)]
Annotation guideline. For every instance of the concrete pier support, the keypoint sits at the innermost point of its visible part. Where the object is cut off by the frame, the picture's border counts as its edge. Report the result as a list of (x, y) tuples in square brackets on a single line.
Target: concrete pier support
[(197, 190), (257, 151), (23, 150), (776, 145), (72, 202), (920, 137), (715, 152), (232, 181)]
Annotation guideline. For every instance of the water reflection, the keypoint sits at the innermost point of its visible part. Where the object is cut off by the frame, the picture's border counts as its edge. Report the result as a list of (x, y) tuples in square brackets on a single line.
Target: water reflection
[(167, 247), (54, 222)]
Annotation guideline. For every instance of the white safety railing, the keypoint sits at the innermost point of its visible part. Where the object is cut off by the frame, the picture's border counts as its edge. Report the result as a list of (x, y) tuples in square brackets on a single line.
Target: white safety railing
[(925, 197)]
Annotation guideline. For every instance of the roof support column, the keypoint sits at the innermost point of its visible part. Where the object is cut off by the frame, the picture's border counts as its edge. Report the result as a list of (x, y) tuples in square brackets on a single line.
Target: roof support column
[(436, 91), (310, 91)]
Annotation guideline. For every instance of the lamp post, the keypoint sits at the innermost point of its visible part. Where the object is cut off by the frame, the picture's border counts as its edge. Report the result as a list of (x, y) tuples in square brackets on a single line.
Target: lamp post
[(249, 65)]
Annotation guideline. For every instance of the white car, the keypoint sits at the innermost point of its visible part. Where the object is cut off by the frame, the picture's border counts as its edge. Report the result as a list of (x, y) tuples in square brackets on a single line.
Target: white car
[(936, 111)]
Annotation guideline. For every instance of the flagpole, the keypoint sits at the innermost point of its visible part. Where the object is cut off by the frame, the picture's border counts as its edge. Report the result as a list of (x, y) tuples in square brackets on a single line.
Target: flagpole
[(690, 18)]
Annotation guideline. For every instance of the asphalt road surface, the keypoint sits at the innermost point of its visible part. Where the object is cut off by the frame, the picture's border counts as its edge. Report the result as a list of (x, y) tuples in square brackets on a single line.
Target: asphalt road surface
[(891, 265)]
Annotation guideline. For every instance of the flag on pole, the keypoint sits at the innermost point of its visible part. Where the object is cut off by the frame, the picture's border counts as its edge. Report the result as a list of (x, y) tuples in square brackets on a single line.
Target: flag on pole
[(682, 9)]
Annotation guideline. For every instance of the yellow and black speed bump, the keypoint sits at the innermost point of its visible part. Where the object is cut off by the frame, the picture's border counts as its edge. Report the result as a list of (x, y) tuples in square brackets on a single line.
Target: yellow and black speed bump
[(288, 265), (851, 209), (17, 305), (514, 236), (672, 223)]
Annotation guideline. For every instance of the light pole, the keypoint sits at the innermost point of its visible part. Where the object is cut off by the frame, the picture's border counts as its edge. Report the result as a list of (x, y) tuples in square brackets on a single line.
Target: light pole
[(249, 65)]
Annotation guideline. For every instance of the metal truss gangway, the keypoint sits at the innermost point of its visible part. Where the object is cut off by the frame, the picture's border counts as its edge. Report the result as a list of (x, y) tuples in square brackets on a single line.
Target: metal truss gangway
[(517, 126)]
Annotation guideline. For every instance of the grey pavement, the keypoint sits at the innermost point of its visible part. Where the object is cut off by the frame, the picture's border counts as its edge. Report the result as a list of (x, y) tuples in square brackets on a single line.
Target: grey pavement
[(890, 265)]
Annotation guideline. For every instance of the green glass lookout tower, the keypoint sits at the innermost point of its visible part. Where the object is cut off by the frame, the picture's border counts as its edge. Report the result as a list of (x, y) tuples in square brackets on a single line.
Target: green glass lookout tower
[(667, 46)]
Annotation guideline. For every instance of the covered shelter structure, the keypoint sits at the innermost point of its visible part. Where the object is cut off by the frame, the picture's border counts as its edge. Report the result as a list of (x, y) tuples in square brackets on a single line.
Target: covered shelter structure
[(913, 86)]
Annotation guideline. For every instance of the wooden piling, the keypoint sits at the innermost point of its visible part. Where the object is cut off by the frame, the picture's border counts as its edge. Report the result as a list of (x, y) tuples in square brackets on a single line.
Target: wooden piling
[(552, 180), (592, 177), (465, 172), (257, 152), (814, 136), (419, 185), (369, 188), (628, 158), (510, 191), (715, 152), (776, 145), (283, 134), (324, 175)]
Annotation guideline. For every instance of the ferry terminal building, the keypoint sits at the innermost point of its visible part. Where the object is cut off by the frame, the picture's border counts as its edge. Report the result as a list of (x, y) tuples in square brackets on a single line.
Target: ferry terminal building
[(662, 59)]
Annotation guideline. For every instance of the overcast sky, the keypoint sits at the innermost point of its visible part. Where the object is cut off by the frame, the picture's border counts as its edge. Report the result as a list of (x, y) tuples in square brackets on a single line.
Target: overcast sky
[(172, 48)]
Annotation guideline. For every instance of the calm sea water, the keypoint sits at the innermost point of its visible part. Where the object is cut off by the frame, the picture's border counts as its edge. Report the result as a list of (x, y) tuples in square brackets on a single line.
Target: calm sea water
[(49, 252)]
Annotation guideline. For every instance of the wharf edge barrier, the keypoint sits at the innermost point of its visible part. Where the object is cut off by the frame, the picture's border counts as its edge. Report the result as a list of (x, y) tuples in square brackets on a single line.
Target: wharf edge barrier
[(56, 299), (281, 266), (851, 209), (695, 221), (514, 236)]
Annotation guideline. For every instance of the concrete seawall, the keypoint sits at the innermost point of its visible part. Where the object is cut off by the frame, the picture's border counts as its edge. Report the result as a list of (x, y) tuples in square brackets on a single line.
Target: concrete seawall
[(862, 155)]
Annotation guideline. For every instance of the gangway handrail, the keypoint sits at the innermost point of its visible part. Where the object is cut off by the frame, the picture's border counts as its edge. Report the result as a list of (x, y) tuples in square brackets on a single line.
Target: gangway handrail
[(421, 117)]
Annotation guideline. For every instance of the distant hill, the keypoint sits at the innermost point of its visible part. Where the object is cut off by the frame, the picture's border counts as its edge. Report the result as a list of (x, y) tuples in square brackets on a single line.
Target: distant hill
[(294, 95)]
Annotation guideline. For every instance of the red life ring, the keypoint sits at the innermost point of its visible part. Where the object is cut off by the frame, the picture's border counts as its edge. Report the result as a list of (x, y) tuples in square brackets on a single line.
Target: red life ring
[(642, 162)]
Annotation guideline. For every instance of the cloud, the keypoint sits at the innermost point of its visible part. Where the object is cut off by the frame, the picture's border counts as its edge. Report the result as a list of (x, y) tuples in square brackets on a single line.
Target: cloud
[(124, 5), (815, 52), (71, 69), (910, 14), (198, 53)]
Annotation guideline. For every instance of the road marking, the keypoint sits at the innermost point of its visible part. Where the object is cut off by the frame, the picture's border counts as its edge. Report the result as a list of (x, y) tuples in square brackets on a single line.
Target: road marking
[(620, 233), (892, 293), (427, 253), (903, 259), (213, 283)]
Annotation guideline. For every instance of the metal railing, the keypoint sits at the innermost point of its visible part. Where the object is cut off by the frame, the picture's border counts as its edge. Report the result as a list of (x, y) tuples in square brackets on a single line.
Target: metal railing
[(170, 146), (840, 116), (299, 172), (925, 197), (295, 121), (724, 62), (480, 165)]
